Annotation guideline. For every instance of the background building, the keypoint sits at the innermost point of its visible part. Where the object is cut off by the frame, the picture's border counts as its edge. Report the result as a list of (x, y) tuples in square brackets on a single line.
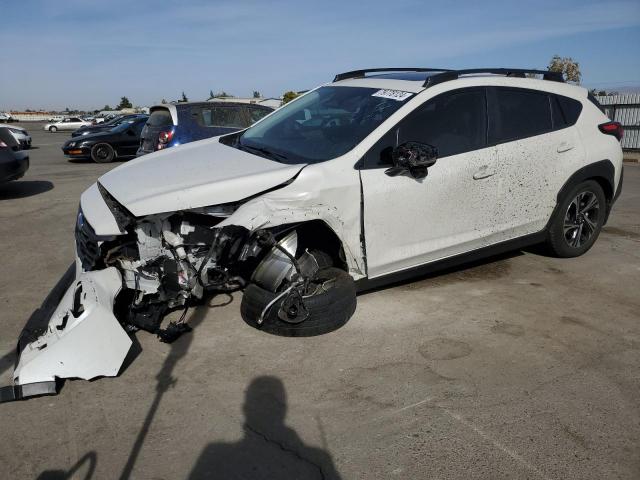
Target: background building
[(625, 108)]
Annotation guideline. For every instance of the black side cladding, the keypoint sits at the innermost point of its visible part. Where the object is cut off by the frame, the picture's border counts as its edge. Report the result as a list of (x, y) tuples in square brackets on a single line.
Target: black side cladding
[(18, 392)]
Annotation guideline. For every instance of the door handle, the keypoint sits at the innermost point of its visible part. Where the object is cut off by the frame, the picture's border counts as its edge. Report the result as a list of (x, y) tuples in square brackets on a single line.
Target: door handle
[(483, 172), (564, 147)]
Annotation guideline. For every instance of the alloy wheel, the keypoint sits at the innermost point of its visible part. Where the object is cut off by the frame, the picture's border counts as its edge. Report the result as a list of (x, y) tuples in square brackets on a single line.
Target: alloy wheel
[(102, 152), (581, 219)]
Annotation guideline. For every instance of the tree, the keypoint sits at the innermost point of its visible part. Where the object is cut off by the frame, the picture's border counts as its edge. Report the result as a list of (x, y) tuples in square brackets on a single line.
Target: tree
[(106, 107), (211, 95), (164, 100), (184, 98), (569, 68), (124, 103), (288, 96), (256, 94)]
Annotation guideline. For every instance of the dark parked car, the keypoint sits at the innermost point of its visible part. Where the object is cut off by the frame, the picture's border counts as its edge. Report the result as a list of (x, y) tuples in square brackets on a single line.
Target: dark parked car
[(103, 147), (102, 127), (13, 161), (170, 125)]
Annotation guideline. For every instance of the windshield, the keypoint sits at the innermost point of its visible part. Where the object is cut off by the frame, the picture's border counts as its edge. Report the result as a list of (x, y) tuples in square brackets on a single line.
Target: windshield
[(124, 125), (322, 125)]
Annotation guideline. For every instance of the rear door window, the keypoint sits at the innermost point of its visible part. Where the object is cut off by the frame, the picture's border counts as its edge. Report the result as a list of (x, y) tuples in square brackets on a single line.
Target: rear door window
[(256, 114), (160, 118), (517, 113), (230, 117)]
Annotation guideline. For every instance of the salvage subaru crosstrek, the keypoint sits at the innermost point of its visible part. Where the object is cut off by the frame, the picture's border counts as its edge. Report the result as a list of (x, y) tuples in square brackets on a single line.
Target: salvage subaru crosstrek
[(376, 175)]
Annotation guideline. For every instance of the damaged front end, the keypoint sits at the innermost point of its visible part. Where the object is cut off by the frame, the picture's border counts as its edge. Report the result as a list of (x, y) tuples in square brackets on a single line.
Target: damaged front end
[(156, 264)]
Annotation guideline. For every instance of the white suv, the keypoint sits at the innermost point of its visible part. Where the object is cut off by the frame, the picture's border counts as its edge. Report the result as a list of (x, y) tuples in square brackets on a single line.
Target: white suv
[(377, 174)]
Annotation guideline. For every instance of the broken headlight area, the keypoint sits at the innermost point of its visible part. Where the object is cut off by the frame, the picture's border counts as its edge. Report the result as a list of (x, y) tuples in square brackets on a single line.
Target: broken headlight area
[(169, 261)]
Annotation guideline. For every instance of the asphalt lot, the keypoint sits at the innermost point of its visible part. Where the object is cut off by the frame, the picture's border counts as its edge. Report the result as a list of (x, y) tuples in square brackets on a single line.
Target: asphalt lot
[(523, 366)]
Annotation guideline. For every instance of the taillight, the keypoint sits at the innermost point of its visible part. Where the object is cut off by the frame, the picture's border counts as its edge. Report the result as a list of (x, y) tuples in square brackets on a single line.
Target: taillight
[(164, 138), (612, 128)]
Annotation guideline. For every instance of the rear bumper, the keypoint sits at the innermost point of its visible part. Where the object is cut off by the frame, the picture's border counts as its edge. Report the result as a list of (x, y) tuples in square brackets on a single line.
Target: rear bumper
[(141, 152), (14, 169)]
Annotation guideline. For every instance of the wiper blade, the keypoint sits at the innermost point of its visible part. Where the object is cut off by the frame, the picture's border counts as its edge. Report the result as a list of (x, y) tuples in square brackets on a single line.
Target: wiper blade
[(265, 152)]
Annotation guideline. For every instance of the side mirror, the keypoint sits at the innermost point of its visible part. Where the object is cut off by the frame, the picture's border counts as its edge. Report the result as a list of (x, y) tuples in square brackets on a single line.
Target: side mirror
[(412, 159)]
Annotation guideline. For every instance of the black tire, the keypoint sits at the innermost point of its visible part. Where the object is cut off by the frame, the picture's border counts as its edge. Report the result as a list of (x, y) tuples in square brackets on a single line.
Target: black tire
[(102, 153), (53, 129), (328, 310), (565, 241)]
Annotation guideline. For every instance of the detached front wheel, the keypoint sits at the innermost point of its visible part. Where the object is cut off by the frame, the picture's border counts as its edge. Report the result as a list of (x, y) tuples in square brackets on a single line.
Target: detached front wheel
[(329, 301)]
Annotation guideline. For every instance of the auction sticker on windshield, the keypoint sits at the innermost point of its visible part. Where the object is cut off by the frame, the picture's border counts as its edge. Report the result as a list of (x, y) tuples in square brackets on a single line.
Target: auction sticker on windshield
[(398, 95)]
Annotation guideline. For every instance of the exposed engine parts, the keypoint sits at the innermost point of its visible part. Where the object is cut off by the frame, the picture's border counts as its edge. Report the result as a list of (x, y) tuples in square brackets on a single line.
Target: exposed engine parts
[(169, 261)]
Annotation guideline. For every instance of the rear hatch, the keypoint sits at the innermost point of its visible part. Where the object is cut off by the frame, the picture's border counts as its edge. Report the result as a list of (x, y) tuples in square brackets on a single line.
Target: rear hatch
[(160, 121)]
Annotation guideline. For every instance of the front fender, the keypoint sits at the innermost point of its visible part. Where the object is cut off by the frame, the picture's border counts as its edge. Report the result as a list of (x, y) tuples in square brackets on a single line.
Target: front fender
[(312, 196)]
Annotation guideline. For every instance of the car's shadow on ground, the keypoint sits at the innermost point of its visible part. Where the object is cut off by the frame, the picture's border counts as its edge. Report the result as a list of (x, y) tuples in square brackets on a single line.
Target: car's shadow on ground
[(88, 160), (24, 188)]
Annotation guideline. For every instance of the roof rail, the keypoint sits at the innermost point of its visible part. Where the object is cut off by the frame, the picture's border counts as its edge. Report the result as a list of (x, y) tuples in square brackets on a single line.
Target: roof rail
[(509, 72), (362, 73), (445, 74)]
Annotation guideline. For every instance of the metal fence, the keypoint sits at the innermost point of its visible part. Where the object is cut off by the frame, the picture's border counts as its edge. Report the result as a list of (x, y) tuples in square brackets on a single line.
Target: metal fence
[(625, 109)]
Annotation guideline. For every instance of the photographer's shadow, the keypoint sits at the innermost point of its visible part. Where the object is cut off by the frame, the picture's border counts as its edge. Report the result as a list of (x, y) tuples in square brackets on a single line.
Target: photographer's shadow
[(269, 448)]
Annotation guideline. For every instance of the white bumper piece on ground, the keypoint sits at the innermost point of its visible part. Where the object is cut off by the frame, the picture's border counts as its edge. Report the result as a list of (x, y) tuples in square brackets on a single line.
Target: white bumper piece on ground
[(83, 338)]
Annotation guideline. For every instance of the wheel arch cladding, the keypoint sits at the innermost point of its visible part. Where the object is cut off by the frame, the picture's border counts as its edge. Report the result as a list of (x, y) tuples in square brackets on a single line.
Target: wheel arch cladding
[(317, 234), (602, 172)]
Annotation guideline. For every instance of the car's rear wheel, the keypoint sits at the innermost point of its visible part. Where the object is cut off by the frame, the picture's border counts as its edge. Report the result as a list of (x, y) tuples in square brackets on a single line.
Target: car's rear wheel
[(578, 220), (330, 302), (53, 129), (102, 153)]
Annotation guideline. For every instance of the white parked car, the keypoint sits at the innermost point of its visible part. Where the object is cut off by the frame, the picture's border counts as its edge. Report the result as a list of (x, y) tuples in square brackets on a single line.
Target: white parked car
[(69, 123), (375, 176), (5, 117), (21, 136)]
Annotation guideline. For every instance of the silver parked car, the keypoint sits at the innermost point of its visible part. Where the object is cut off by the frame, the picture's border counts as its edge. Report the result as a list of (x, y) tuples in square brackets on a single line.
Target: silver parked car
[(20, 135), (69, 123)]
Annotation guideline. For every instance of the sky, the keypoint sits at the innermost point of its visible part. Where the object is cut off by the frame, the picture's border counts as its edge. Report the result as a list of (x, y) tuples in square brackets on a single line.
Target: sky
[(84, 54)]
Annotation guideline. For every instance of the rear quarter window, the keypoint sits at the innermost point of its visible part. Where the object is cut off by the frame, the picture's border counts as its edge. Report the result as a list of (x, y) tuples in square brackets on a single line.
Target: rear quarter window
[(256, 114), (569, 108), (160, 118)]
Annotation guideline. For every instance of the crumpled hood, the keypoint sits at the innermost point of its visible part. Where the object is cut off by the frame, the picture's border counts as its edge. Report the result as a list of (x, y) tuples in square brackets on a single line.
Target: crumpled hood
[(194, 175)]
